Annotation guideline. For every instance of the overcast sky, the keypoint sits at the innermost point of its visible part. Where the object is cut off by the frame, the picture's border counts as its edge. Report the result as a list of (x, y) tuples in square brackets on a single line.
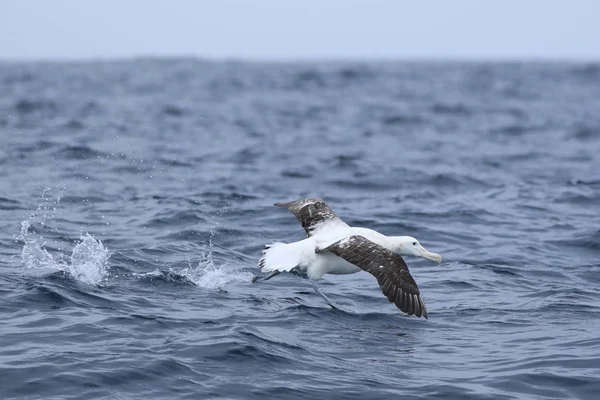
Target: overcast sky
[(290, 29)]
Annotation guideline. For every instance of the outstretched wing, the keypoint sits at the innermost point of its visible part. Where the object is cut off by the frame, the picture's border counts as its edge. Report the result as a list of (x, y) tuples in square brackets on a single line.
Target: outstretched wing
[(389, 268), (312, 213)]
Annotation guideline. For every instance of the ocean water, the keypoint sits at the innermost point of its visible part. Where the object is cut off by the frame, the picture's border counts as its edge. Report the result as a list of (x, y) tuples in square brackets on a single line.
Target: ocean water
[(136, 196)]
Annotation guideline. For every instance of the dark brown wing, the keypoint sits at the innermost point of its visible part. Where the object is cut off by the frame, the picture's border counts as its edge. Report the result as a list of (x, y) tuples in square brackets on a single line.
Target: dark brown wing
[(312, 213), (389, 268)]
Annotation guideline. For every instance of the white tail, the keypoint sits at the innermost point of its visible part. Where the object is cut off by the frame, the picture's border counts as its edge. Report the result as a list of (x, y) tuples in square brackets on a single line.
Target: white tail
[(284, 257)]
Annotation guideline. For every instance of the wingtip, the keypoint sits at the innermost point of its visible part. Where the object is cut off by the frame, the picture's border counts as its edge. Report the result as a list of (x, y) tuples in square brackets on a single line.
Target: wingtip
[(261, 262), (423, 308)]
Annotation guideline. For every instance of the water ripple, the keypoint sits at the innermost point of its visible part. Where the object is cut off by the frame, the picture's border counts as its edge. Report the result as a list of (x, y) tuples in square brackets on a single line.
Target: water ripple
[(137, 195)]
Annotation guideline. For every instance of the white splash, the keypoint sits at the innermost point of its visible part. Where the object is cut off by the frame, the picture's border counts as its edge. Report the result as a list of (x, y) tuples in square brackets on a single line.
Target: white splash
[(209, 275), (34, 255), (88, 261), (206, 273)]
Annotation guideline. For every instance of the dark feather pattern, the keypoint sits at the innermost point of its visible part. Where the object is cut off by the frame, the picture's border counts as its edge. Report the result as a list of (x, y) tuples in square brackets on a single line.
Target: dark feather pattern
[(387, 267), (311, 213)]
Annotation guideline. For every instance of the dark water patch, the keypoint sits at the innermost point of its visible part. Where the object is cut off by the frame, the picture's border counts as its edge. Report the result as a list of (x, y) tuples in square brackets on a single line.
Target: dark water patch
[(132, 168), (184, 217), (459, 284), (300, 392), (589, 240), (253, 335), (518, 129), (454, 180), (309, 78), (46, 229), (222, 199), (10, 204), (588, 72), (18, 77), (586, 133), (173, 111), (188, 234), (579, 197), (40, 145), (301, 172), (356, 73), (570, 307), (173, 162), (247, 156), (398, 119), (79, 153), (241, 353), (74, 125), (73, 199), (584, 182), (344, 161), (28, 106), (357, 184), (157, 278), (450, 109), (523, 156), (49, 296), (503, 270)]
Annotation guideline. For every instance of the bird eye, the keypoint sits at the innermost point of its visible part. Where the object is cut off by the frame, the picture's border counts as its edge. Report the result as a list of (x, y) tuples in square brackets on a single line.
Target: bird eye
[(414, 243)]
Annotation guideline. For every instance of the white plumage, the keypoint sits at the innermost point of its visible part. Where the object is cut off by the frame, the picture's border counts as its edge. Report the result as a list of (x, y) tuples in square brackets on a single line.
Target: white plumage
[(302, 256), (334, 247)]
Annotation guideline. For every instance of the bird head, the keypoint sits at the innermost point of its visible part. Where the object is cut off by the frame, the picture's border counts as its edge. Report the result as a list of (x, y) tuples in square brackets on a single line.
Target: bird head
[(409, 246)]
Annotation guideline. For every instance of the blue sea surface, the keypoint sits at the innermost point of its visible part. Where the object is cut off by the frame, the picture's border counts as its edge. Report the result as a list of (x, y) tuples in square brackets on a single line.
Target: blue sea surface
[(136, 197)]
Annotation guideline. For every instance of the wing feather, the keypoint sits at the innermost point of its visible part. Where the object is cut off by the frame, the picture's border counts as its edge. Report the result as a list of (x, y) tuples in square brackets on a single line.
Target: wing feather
[(387, 267), (312, 213)]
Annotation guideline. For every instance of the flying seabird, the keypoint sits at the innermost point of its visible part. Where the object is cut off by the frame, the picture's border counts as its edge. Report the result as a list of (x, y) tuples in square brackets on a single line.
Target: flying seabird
[(334, 247)]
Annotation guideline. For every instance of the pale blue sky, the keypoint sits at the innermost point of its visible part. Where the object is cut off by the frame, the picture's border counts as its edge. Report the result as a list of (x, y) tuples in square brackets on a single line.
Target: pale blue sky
[(280, 29)]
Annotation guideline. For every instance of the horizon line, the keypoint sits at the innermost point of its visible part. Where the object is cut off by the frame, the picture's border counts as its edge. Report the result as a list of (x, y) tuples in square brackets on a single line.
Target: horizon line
[(298, 60)]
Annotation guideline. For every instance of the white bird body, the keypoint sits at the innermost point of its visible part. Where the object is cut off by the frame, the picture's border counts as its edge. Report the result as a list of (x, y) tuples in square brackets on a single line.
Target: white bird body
[(302, 256)]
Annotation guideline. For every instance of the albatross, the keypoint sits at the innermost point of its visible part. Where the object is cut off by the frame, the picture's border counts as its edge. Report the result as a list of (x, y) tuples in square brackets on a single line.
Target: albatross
[(333, 247)]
